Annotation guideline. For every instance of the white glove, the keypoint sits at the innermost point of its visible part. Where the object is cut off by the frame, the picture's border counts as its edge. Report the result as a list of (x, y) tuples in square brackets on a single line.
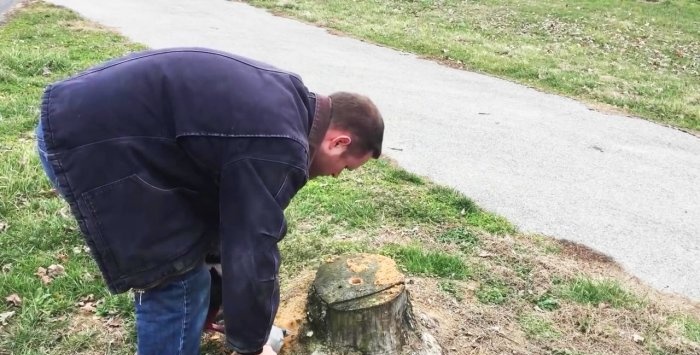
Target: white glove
[(276, 339)]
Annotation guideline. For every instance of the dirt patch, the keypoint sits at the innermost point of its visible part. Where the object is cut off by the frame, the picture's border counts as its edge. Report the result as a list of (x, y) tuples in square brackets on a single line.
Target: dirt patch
[(82, 25), (583, 253), (94, 334)]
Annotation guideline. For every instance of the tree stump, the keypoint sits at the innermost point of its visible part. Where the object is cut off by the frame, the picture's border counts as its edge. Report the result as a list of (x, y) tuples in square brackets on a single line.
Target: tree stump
[(359, 303)]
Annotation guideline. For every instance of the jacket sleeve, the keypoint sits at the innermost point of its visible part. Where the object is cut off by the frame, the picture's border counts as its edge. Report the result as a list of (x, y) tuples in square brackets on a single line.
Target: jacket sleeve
[(253, 195)]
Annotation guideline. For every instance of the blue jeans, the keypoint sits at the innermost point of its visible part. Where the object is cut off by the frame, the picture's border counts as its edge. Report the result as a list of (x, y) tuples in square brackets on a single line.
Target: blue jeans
[(43, 155), (170, 317)]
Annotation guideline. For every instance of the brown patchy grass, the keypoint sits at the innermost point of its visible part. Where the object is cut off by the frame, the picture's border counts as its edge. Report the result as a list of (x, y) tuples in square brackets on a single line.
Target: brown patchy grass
[(465, 325), (89, 334)]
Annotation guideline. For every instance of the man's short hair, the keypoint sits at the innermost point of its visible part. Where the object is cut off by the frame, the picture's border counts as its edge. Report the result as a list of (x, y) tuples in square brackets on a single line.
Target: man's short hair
[(358, 115)]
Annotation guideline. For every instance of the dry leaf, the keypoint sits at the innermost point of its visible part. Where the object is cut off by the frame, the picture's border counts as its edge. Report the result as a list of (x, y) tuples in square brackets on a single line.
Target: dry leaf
[(14, 300), (65, 212), (56, 270), (5, 316), (114, 323), (638, 338), (41, 272), (81, 249), (6, 268), (88, 298), (62, 257), (88, 307), (3, 226)]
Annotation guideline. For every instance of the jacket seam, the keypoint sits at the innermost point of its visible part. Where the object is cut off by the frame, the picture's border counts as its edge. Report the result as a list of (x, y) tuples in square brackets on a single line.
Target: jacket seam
[(227, 135), (45, 113), (231, 135), (86, 145), (246, 157), (185, 324), (98, 234), (284, 183)]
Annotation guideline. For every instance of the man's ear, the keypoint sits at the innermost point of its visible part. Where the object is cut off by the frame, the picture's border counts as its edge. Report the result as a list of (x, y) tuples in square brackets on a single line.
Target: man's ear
[(338, 142), (342, 141)]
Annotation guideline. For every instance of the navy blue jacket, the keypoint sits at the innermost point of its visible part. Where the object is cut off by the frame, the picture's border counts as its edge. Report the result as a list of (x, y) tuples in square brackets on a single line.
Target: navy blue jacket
[(165, 156)]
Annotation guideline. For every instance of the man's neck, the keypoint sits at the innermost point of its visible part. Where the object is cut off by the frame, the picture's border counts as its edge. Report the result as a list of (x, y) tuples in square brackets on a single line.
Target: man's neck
[(319, 124)]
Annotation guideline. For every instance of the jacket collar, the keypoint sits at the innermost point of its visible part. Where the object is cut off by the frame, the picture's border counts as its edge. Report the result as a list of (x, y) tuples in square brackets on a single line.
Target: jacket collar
[(320, 124)]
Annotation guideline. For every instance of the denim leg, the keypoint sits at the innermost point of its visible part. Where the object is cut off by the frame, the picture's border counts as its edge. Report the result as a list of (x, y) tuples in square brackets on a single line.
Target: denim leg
[(170, 318), (43, 155)]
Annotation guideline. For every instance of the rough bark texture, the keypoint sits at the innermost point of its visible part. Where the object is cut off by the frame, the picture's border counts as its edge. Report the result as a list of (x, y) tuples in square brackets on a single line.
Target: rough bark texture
[(359, 304)]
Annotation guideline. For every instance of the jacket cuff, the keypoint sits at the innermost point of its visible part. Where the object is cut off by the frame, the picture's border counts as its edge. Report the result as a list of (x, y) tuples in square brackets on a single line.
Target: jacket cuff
[(246, 352)]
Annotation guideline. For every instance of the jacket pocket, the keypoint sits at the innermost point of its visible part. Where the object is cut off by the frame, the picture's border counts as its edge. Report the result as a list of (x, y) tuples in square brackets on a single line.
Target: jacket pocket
[(137, 226)]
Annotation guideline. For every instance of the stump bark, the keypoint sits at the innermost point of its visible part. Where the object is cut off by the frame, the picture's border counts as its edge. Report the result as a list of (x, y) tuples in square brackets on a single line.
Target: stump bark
[(359, 303)]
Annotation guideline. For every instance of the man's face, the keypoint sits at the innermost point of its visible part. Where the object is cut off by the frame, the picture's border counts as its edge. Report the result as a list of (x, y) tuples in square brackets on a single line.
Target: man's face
[(333, 155)]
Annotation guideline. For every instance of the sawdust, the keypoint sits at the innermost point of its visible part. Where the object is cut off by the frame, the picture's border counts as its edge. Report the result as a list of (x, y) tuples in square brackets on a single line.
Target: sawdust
[(291, 314), (387, 272), (358, 264)]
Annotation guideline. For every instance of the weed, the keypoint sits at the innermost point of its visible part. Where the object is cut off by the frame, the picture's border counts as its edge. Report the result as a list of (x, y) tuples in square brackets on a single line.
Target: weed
[(538, 328), (596, 292), (493, 291), (547, 302), (465, 238), (451, 288), (691, 328)]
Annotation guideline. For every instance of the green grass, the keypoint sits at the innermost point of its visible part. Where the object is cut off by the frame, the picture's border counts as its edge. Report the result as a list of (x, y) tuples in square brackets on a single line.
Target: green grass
[(547, 302), (431, 263), (376, 196), (36, 47), (493, 291), (639, 56), (464, 237), (537, 327), (691, 328), (596, 292)]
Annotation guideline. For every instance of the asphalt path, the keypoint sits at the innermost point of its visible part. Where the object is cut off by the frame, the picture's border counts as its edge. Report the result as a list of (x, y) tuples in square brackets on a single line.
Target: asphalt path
[(624, 186), (6, 5)]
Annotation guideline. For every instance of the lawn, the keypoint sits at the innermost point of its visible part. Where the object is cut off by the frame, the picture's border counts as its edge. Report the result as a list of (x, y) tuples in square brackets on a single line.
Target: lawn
[(635, 57), (482, 285)]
